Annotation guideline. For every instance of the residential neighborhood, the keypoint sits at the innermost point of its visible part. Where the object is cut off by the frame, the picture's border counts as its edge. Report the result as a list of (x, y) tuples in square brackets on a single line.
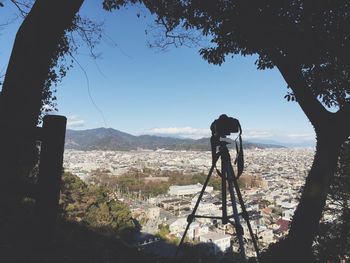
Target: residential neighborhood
[(270, 204)]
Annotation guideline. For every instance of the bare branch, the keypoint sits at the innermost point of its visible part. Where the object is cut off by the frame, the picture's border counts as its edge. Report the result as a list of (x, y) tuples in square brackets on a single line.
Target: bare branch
[(90, 33), (88, 89), (109, 40), (23, 7), (165, 37)]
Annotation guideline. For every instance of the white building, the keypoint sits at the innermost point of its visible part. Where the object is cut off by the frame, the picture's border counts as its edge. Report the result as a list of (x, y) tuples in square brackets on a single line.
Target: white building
[(288, 214), (177, 225), (194, 232), (221, 242), (191, 189), (266, 236)]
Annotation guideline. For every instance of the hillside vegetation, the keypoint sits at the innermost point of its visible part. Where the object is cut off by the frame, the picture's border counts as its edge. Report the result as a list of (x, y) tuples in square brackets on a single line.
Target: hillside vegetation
[(91, 228), (91, 206)]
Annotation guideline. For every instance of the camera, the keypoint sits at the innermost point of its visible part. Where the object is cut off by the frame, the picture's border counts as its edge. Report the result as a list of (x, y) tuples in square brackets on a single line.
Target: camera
[(224, 125)]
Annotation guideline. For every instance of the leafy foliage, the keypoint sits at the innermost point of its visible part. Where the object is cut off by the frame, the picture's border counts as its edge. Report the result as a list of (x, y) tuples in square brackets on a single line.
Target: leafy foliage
[(91, 205), (163, 231), (82, 32)]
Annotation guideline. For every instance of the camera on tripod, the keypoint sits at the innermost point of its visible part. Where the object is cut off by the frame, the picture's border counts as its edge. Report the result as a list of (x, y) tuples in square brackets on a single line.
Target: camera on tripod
[(224, 126), (220, 128)]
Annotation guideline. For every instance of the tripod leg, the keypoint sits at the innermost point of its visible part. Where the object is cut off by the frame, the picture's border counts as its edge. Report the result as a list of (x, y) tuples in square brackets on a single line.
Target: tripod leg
[(193, 214), (238, 226), (245, 215), (226, 166), (224, 190)]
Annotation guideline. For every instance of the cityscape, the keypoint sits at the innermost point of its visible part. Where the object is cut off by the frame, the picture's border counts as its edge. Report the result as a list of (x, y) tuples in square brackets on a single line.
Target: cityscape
[(270, 187), (171, 74)]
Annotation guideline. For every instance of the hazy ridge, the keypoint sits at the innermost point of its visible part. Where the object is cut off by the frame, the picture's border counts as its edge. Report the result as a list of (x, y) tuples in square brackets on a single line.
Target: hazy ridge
[(111, 139)]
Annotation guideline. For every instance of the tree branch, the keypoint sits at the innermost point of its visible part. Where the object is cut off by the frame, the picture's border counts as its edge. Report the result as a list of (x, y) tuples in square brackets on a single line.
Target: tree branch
[(21, 6), (166, 36), (308, 102)]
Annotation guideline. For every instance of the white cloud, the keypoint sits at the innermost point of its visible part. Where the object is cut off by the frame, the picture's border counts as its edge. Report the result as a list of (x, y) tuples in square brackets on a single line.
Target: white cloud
[(251, 134), (187, 132), (301, 136), (277, 135), (75, 121), (247, 134)]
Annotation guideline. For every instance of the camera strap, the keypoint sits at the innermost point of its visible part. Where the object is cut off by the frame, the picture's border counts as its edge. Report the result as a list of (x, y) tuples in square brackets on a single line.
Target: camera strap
[(239, 161)]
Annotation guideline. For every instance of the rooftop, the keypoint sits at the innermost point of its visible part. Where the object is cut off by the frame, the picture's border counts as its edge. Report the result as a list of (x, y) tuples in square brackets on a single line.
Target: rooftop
[(215, 236)]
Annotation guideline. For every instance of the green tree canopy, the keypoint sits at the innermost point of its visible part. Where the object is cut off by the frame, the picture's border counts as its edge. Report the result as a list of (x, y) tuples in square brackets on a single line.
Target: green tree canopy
[(91, 205)]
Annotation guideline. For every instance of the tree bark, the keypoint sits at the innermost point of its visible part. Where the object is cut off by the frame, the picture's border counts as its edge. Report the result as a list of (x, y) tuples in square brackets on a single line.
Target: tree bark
[(21, 98), (332, 129), (34, 50), (297, 247), (307, 216), (32, 55)]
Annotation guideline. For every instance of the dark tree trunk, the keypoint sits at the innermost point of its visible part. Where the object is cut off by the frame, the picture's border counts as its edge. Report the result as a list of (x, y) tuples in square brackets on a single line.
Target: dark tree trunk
[(332, 129), (307, 216), (297, 247), (345, 227), (34, 50), (21, 98)]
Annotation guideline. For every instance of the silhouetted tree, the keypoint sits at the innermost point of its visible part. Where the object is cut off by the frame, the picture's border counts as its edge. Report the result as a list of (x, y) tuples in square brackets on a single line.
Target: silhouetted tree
[(40, 43), (333, 241), (308, 43)]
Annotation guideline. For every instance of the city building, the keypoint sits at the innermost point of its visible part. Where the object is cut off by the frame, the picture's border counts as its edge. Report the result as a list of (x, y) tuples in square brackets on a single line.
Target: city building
[(220, 242), (192, 189)]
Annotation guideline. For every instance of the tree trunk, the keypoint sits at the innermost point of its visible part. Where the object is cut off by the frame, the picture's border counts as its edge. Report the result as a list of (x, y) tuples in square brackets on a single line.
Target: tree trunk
[(33, 54), (297, 247), (21, 98), (307, 216), (332, 129), (345, 228)]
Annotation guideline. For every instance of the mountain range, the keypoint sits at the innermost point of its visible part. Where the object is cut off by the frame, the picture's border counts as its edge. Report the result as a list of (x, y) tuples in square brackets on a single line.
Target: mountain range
[(111, 139)]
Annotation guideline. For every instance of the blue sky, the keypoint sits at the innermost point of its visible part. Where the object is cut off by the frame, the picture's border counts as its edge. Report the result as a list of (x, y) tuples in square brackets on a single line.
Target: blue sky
[(141, 90)]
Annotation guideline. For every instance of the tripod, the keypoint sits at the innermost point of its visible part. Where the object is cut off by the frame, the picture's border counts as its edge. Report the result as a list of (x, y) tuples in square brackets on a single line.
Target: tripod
[(228, 181)]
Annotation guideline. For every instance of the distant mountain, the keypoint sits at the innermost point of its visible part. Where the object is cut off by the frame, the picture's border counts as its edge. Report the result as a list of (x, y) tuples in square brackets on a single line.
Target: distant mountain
[(111, 139), (290, 144)]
